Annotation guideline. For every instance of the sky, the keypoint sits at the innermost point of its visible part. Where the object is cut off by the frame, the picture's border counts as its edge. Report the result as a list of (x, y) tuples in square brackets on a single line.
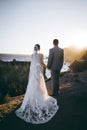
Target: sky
[(24, 23)]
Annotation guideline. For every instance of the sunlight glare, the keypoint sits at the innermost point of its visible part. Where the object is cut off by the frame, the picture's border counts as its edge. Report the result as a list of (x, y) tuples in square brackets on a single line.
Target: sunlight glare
[(81, 41)]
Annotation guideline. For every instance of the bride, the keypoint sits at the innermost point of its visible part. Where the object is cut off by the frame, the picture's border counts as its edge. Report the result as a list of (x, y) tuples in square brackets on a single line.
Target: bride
[(37, 106)]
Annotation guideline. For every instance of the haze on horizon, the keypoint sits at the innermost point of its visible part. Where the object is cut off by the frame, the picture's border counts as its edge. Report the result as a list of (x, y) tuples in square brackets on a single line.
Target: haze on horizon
[(26, 23)]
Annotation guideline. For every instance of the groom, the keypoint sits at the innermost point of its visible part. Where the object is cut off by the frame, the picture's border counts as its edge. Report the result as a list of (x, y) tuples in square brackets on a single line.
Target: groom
[(55, 63)]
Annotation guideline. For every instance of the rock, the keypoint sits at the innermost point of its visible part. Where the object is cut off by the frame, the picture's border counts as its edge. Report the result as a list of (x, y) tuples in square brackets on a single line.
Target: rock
[(78, 66)]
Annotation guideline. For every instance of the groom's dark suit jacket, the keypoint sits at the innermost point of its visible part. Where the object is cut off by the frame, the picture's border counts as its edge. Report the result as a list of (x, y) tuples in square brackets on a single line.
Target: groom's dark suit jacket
[(56, 58)]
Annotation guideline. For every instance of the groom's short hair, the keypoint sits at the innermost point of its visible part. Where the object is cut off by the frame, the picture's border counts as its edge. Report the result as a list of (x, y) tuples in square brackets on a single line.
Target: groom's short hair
[(55, 42)]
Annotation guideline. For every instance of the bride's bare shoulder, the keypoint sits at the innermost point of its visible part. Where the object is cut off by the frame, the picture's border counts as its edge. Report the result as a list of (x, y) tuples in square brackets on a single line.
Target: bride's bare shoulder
[(41, 55)]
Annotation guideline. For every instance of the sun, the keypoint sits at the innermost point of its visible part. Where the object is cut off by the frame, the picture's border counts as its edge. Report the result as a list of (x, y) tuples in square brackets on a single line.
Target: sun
[(81, 41), (81, 45)]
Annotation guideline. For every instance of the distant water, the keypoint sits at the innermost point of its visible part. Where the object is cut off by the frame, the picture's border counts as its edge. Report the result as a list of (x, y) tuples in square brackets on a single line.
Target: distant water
[(18, 57), (10, 57)]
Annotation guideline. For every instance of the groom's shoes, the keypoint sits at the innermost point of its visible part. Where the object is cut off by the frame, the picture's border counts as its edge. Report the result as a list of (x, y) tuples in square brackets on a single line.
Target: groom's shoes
[(55, 94)]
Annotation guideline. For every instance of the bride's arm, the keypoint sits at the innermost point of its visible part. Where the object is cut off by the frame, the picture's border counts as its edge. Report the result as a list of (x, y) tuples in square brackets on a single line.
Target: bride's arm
[(42, 62)]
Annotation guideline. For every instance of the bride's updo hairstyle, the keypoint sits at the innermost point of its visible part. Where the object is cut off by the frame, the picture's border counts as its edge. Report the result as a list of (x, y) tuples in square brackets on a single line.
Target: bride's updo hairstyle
[(37, 47)]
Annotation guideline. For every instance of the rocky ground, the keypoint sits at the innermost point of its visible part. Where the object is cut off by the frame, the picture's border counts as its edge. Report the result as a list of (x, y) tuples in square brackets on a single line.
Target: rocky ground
[(72, 101)]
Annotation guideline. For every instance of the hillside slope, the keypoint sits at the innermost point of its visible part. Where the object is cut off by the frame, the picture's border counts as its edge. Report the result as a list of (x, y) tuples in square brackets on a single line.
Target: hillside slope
[(72, 101)]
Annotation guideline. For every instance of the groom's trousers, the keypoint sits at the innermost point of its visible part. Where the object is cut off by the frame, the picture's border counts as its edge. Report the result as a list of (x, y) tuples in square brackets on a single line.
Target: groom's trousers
[(55, 81)]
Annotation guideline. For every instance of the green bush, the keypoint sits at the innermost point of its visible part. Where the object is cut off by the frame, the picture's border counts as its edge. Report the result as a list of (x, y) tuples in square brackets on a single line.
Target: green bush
[(13, 78)]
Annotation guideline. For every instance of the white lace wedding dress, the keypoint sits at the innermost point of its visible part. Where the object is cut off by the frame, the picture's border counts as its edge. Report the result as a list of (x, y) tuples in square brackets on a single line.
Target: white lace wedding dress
[(37, 107)]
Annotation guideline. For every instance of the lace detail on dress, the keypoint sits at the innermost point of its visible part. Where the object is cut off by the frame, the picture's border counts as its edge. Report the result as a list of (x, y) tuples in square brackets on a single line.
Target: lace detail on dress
[(38, 112)]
